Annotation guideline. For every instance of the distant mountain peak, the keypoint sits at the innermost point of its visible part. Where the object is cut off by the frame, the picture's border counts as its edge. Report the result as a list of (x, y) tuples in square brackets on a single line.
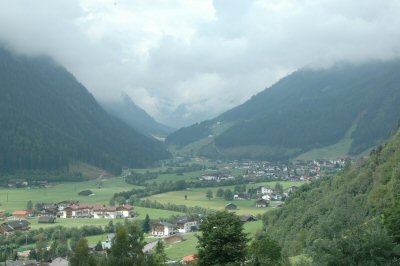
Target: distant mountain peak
[(130, 113)]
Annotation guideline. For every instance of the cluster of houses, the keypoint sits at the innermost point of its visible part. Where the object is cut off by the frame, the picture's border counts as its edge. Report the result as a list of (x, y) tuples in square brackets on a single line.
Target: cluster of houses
[(217, 176), (74, 209), (264, 194), (298, 170), (18, 183), (66, 209)]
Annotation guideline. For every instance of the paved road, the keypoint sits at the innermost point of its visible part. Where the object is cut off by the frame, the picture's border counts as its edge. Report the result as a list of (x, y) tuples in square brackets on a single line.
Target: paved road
[(149, 246)]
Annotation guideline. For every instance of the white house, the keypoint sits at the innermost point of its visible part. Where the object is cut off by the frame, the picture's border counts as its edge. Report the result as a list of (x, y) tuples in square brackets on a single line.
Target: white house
[(97, 211), (162, 229), (185, 225), (261, 190)]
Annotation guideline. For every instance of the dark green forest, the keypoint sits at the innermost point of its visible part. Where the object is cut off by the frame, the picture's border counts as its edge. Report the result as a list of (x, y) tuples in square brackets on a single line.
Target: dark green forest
[(350, 219), (310, 109), (48, 120)]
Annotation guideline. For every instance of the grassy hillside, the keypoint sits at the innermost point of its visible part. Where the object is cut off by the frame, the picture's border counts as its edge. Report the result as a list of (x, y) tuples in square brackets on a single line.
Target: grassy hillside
[(308, 110), (350, 219)]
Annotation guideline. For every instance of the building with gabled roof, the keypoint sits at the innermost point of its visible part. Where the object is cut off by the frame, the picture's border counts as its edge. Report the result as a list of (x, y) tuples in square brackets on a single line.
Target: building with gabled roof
[(162, 229)]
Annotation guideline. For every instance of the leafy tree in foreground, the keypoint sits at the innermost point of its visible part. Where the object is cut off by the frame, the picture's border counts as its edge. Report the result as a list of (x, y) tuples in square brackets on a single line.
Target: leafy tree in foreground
[(222, 241), (264, 251), (82, 257), (368, 244), (160, 255), (127, 246)]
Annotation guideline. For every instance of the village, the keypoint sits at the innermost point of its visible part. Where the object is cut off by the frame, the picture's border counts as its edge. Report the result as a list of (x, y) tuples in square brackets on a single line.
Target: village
[(242, 187), (298, 170)]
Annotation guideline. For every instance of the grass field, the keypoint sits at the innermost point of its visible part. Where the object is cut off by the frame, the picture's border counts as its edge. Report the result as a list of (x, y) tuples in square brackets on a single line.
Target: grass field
[(197, 197), (17, 198), (188, 246)]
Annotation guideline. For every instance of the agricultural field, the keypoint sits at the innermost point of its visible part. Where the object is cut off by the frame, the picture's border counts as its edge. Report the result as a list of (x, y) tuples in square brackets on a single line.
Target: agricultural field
[(17, 198), (197, 197)]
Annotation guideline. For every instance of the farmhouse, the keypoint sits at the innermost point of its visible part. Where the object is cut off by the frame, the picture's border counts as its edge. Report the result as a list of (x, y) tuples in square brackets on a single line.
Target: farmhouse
[(11, 226), (185, 225), (262, 203), (162, 229), (20, 214), (230, 206)]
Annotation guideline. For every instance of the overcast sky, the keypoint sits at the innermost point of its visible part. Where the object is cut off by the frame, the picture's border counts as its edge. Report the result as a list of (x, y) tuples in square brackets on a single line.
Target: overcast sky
[(189, 60)]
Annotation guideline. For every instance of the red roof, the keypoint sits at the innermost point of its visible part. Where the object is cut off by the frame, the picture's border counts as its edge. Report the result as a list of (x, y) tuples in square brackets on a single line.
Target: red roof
[(188, 259), (20, 213)]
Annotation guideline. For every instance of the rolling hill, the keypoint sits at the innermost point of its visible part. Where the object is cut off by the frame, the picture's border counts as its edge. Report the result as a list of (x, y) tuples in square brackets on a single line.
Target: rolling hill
[(48, 120), (352, 218), (127, 111), (356, 105)]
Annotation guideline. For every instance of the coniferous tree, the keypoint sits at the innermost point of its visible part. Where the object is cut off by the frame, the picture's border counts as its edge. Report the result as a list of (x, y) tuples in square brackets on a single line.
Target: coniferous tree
[(146, 224)]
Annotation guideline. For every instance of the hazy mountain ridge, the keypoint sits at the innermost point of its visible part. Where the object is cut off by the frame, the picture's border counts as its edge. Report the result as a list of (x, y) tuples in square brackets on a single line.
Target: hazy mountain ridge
[(130, 113), (49, 119), (306, 110)]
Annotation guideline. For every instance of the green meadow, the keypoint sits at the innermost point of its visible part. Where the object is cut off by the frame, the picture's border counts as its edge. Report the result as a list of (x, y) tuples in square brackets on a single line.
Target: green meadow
[(16, 198), (197, 197)]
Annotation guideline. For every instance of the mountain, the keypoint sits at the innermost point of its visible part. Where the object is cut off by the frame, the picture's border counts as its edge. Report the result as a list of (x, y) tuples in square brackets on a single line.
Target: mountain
[(49, 120), (127, 111), (352, 218), (346, 109)]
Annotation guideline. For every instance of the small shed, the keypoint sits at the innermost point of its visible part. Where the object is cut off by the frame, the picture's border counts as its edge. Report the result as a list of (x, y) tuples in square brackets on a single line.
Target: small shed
[(230, 206), (248, 218), (46, 219)]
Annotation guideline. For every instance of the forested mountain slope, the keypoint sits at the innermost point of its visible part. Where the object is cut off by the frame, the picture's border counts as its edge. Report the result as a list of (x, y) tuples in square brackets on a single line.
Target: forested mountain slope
[(350, 219), (136, 117), (48, 119), (306, 110)]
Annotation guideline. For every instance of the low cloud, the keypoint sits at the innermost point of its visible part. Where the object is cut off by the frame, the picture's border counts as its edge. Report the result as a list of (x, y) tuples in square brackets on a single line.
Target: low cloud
[(188, 60)]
